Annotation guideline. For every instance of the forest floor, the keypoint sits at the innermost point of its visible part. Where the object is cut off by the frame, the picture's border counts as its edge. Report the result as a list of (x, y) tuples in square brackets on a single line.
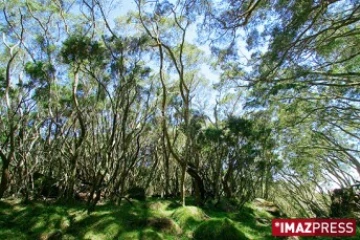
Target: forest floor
[(152, 219)]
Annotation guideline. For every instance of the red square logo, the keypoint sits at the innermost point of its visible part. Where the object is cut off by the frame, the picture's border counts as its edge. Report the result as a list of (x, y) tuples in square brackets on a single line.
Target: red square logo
[(314, 227)]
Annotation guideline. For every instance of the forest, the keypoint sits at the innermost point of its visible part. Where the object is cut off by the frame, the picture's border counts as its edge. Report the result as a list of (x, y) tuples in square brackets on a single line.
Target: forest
[(199, 107)]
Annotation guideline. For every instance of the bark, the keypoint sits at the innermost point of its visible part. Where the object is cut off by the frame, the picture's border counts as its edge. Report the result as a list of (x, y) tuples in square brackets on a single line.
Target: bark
[(199, 185), (79, 142), (96, 190), (5, 177), (167, 170), (182, 183), (5, 174), (226, 180), (153, 171), (6, 160), (176, 187), (268, 177), (177, 62)]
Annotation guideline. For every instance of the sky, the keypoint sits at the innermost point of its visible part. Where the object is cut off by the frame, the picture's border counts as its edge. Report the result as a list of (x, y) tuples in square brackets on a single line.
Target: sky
[(213, 77)]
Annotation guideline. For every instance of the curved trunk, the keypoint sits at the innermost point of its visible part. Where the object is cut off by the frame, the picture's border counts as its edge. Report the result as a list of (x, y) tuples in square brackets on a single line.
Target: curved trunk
[(78, 144), (199, 185)]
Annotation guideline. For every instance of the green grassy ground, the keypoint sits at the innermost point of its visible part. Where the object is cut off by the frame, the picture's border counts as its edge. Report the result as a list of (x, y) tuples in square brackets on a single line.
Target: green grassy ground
[(149, 220)]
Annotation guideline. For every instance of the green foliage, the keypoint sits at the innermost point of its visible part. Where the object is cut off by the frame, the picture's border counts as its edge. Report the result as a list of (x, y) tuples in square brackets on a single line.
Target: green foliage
[(345, 203), (39, 70), (222, 229), (79, 49), (286, 86), (212, 134), (239, 126), (2, 81), (2, 77), (40, 73)]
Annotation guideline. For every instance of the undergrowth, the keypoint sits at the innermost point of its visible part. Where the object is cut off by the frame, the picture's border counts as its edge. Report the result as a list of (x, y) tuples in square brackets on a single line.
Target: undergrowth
[(143, 220)]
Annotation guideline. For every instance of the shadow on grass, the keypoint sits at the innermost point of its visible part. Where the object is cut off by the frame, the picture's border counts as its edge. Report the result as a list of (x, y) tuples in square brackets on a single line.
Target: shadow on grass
[(38, 220), (219, 229), (32, 221), (246, 219), (111, 222), (141, 220), (173, 205)]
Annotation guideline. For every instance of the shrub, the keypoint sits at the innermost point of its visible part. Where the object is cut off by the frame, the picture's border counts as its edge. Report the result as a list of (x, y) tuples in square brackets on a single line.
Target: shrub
[(137, 193)]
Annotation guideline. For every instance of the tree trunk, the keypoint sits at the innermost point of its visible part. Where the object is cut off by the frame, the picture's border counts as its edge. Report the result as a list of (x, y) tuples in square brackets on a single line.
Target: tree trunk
[(167, 172), (71, 183), (5, 178), (227, 188), (152, 172), (182, 183), (199, 185), (96, 189), (176, 187), (78, 144), (267, 180)]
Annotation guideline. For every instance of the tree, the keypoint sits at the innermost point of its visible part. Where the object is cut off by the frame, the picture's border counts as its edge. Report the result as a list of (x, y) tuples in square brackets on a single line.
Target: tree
[(163, 39), (101, 106)]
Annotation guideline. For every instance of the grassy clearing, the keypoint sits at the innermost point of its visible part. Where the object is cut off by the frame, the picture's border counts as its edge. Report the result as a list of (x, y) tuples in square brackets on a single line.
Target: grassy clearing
[(148, 220)]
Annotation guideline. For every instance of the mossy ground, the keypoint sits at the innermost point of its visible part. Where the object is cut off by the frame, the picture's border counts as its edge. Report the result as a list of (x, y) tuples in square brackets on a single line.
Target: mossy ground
[(149, 220)]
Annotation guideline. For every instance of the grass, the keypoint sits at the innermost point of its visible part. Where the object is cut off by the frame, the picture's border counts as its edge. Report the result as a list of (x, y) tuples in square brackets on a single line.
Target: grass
[(148, 220), (219, 229), (188, 216)]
